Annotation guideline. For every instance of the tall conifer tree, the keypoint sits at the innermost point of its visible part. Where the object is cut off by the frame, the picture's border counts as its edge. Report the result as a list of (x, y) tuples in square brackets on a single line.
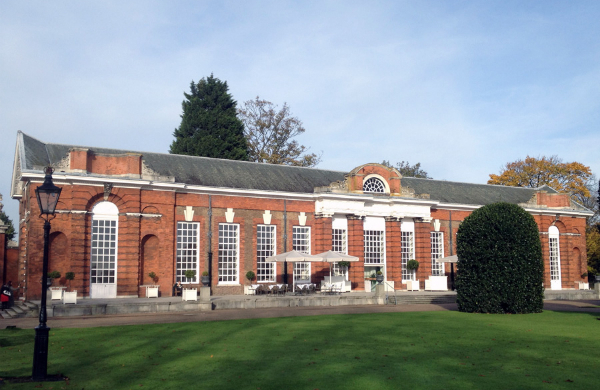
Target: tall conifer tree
[(209, 125)]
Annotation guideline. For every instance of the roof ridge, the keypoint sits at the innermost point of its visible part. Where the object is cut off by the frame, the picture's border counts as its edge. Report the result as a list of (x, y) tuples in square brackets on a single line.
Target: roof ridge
[(462, 182), (184, 155)]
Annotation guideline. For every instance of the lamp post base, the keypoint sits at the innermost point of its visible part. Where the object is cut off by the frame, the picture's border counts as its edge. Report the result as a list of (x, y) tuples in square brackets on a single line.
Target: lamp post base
[(40, 353)]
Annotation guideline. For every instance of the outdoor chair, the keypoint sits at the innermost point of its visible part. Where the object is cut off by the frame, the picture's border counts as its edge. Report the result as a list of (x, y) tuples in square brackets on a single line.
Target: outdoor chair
[(283, 289), (262, 289), (275, 290)]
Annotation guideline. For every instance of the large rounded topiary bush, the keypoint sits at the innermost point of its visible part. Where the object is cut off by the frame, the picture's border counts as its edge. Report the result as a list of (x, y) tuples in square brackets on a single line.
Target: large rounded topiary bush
[(500, 266)]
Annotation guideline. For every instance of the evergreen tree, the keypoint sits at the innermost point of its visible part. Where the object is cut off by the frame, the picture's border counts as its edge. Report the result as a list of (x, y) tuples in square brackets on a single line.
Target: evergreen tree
[(5, 220), (209, 125)]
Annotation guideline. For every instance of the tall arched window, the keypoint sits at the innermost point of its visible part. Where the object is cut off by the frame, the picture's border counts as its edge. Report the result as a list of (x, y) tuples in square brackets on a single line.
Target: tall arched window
[(554, 243), (103, 261)]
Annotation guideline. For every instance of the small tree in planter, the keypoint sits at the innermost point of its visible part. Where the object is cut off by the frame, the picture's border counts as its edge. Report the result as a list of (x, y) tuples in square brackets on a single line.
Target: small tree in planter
[(250, 275), (53, 275), (343, 265), (70, 276), (190, 274), (379, 277), (412, 266), (153, 276)]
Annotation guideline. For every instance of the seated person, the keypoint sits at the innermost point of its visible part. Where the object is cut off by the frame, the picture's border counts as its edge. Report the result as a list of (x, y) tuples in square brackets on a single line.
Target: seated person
[(177, 287)]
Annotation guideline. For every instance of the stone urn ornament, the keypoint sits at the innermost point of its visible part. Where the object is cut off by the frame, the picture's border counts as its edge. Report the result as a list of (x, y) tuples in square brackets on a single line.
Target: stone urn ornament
[(205, 279)]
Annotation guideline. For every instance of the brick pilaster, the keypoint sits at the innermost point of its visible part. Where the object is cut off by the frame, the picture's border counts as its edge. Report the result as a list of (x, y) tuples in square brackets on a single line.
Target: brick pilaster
[(356, 247), (423, 249), (393, 250)]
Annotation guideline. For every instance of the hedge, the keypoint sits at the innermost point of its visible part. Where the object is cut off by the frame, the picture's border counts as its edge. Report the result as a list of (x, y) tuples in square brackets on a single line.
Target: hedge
[(500, 265)]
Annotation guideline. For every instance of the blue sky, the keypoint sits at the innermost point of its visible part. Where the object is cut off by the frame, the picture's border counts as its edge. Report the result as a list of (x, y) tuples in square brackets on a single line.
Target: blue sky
[(461, 86)]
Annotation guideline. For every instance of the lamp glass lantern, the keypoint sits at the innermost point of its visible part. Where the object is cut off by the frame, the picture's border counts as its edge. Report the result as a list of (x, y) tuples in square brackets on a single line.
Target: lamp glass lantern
[(48, 194)]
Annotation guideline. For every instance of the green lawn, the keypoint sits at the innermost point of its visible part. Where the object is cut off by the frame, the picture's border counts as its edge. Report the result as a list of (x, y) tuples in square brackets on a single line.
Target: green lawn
[(417, 350)]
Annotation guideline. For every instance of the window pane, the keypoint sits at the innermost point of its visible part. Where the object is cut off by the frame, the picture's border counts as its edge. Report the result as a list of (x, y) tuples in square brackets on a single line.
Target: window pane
[(437, 251), (187, 252), (228, 252), (408, 253), (103, 260), (265, 247)]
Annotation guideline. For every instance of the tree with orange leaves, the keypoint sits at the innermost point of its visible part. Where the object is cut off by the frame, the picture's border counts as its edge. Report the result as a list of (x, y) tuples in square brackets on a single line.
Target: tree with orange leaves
[(572, 177)]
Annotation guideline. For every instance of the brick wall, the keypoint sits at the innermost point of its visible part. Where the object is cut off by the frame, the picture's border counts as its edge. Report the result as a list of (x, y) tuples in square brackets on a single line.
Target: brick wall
[(147, 238)]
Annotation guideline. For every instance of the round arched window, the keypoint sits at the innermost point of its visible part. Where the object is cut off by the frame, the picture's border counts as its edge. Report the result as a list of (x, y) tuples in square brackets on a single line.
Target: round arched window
[(373, 184)]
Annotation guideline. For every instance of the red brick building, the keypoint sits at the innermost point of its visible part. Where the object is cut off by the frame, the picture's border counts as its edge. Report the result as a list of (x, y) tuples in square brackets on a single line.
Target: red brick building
[(124, 214)]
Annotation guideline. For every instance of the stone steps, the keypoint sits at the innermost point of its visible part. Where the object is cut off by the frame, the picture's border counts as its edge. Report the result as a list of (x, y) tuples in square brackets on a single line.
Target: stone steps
[(436, 299), (20, 310)]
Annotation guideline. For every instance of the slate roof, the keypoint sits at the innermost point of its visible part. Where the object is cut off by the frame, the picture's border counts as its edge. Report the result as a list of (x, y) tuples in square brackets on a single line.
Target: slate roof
[(468, 193), (243, 175), (192, 170)]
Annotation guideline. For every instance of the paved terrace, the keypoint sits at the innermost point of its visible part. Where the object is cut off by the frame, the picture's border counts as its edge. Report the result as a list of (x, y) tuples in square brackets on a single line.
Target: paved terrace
[(140, 318), (119, 306)]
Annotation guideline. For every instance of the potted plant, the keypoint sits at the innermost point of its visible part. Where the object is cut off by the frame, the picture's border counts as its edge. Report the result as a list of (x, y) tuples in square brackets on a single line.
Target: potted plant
[(412, 265), (248, 290), (70, 296), (190, 274), (52, 275), (153, 276), (343, 265), (189, 294), (379, 277), (205, 279), (70, 276)]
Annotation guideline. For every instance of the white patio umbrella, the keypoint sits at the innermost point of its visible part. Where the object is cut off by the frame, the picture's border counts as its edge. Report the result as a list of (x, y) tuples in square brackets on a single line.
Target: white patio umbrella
[(335, 257), (448, 259), (293, 257)]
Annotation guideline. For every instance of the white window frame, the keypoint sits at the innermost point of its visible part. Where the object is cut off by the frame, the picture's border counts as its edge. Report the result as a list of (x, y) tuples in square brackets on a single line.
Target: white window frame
[(266, 239), (187, 251), (374, 185), (229, 254), (339, 243), (374, 242), (437, 252), (104, 212), (301, 242), (407, 228), (374, 247), (554, 257)]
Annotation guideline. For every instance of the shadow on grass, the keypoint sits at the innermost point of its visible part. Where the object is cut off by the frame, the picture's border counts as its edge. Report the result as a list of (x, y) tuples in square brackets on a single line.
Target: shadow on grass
[(14, 337), (383, 350)]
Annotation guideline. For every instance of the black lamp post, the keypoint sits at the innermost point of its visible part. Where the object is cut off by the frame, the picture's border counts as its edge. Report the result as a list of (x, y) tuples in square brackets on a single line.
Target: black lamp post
[(47, 195)]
